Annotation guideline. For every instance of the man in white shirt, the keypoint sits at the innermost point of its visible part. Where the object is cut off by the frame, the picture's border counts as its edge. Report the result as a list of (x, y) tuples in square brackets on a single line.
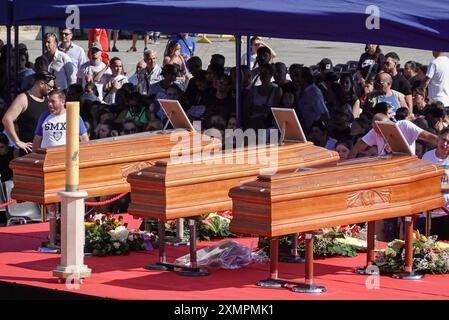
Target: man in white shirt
[(75, 52), (437, 78), (440, 156), (410, 131), (150, 75), (134, 79), (52, 125), (93, 70), (59, 63)]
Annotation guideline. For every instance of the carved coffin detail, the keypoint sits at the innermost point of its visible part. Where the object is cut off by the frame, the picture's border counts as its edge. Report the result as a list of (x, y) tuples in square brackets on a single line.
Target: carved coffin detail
[(369, 197), (134, 167)]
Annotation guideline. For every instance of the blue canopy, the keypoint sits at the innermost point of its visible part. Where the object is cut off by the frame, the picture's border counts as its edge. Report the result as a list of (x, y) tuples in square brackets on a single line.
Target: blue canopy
[(411, 23), (4, 18)]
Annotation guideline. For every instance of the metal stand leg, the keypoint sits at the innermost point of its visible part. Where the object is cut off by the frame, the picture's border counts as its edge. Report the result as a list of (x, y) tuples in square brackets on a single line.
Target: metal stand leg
[(194, 270), (370, 251), (273, 281), (408, 274), (428, 223), (44, 213), (51, 245), (309, 286), (294, 257), (179, 239), (160, 265)]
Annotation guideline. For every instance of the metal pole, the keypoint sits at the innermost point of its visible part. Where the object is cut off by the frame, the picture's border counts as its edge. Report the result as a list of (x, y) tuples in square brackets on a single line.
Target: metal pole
[(8, 65), (238, 78), (16, 64), (248, 51), (43, 40)]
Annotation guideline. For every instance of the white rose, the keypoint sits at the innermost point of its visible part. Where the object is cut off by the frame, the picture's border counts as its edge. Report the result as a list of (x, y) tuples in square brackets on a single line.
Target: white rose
[(119, 234), (116, 245), (98, 216)]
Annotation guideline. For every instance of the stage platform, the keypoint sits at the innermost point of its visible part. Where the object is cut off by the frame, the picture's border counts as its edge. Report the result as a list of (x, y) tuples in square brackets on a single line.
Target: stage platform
[(123, 277)]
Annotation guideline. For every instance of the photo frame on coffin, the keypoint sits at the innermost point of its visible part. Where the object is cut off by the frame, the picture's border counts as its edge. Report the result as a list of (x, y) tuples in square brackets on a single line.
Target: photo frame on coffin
[(394, 138), (176, 115), (289, 126)]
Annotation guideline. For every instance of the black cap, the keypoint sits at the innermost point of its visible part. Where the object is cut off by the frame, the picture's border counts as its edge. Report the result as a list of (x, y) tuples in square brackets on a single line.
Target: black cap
[(325, 64)]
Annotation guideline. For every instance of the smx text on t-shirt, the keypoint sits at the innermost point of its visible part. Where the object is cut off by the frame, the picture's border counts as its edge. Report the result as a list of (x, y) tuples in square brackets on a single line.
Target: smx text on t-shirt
[(55, 126)]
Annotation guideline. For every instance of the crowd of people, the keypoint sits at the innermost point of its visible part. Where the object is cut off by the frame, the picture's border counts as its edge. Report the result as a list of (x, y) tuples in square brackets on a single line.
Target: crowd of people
[(337, 106)]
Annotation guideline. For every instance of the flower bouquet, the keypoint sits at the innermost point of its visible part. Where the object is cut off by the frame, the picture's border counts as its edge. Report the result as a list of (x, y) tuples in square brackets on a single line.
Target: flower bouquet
[(210, 226), (336, 241), (107, 235), (429, 255)]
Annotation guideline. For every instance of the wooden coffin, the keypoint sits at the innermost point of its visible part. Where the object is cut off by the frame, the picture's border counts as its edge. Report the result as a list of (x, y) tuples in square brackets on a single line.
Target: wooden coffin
[(104, 164), (169, 191), (352, 193)]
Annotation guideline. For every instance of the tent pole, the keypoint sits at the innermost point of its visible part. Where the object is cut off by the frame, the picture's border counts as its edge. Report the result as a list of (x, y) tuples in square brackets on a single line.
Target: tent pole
[(8, 96), (16, 56), (8, 65), (238, 78), (248, 51), (43, 40)]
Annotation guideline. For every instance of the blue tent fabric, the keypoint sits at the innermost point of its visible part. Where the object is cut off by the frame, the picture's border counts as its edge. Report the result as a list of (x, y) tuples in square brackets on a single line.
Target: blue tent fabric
[(4, 13), (411, 23)]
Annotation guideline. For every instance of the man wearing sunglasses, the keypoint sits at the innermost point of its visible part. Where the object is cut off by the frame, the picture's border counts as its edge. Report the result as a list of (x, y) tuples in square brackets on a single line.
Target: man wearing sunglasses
[(59, 63), (400, 83), (75, 52), (26, 110)]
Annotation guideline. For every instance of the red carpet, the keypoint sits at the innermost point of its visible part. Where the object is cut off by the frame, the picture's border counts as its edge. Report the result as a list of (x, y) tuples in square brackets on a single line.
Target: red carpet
[(125, 278)]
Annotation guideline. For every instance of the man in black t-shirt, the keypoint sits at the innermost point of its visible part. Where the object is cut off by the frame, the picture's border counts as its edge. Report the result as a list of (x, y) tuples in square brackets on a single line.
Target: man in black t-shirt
[(400, 83)]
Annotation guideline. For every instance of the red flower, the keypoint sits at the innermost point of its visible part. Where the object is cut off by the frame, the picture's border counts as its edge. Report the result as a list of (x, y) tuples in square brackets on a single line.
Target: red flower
[(108, 229), (113, 220), (301, 238), (108, 214), (103, 218), (120, 218), (125, 225), (98, 222), (90, 220)]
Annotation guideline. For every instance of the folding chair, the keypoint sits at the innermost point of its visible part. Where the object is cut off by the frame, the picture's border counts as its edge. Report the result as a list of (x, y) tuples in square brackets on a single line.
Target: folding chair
[(21, 213)]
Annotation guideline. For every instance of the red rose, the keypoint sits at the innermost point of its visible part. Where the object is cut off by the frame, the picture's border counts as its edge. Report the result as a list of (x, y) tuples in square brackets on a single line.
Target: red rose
[(108, 214), (90, 220), (103, 218), (98, 222), (120, 218), (108, 229), (113, 220), (125, 225)]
